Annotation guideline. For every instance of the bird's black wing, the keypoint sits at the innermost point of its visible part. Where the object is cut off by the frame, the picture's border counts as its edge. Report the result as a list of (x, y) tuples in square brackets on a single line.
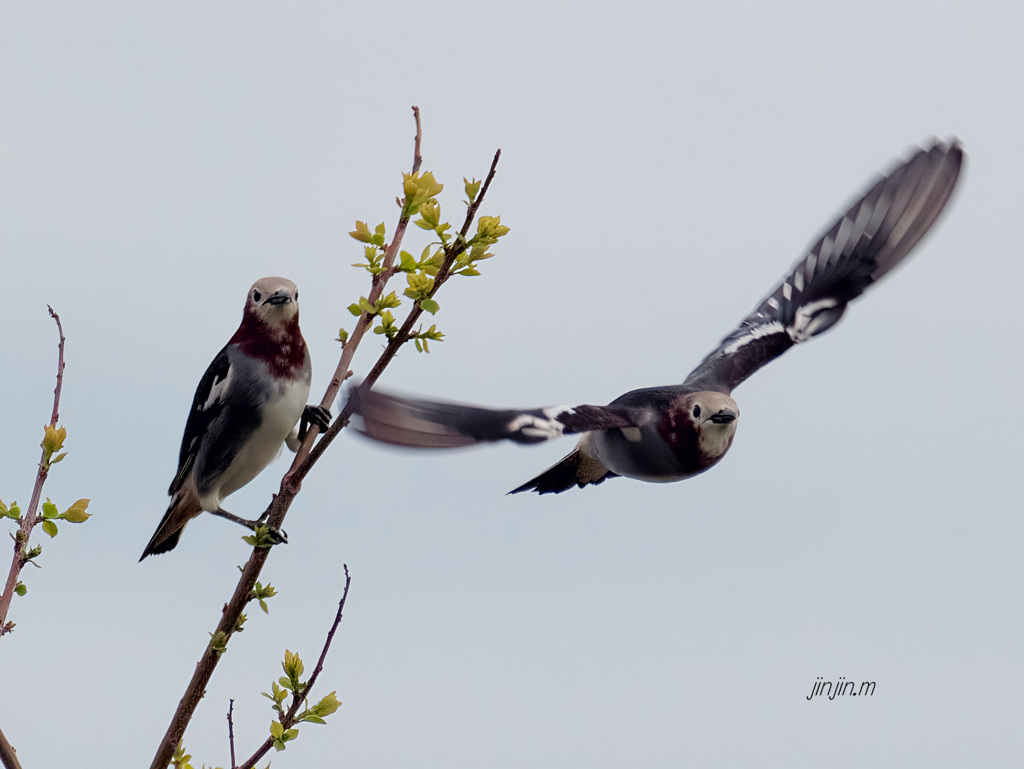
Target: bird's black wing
[(871, 238), (435, 424), (207, 405)]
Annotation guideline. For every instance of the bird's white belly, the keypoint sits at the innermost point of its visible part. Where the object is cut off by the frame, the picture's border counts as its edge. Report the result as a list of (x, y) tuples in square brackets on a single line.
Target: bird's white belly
[(263, 447)]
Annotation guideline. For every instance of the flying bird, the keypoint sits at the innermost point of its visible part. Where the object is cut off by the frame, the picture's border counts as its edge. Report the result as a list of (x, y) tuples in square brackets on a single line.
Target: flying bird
[(662, 434), (246, 406)]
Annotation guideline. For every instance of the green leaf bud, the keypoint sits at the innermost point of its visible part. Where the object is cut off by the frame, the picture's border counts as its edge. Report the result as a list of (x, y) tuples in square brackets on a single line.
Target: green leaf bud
[(361, 232), (53, 439)]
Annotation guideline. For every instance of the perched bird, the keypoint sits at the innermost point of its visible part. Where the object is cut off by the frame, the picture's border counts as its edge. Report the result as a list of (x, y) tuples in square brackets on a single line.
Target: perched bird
[(246, 406), (663, 434)]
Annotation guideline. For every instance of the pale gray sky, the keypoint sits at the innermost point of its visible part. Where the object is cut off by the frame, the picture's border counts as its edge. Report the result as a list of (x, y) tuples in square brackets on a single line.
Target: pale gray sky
[(663, 164)]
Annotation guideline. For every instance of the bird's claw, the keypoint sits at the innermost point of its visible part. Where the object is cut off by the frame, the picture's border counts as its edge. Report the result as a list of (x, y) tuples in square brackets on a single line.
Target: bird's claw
[(277, 536), (264, 536), (314, 415)]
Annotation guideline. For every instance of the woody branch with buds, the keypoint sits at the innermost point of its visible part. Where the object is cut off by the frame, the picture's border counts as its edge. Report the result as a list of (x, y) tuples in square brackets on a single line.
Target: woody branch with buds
[(450, 253), (34, 515)]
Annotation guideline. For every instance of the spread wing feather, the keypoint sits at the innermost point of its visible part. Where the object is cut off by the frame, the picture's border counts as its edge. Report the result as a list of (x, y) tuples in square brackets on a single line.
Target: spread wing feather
[(871, 238)]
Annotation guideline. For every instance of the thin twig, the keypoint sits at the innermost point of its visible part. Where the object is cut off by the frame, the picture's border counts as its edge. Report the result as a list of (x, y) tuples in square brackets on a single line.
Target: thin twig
[(30, 516), (8, 755), (288, 719), (471, 211), (341, 373), (304, 460), (231, 733), (298, 472), (55, 415)]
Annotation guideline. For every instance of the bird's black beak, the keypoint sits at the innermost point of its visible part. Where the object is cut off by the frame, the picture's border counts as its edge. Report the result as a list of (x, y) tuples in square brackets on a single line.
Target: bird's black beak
[(724, 417), (279, 297)]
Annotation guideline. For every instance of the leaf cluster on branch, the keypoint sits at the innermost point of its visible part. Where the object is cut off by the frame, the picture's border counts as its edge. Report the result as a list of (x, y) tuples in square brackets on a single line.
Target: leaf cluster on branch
[(452, 253)]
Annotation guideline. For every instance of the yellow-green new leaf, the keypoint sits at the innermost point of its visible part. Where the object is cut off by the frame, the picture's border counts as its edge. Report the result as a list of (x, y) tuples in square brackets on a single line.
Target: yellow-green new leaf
[(53, 438), (491, 227), (361, 232), (378, 235), (427, 185), (408, 262), (431, 213), (292, 665), (328, 704), (74, 515)]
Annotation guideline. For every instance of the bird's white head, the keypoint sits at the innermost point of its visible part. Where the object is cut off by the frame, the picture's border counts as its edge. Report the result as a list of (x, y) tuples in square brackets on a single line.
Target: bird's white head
[(714, 417), (274, 302)]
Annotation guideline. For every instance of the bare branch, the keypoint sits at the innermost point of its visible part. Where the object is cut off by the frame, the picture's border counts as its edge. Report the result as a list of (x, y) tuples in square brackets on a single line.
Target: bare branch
[(471, 211), (305, 458), (417, 159), (29, 516), (342, 372), (8, 755), (231, 733), (55, 414), (288, 719), (299, 471)]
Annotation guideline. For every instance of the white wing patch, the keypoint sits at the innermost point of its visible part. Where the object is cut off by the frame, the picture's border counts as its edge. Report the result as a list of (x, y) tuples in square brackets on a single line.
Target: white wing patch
[(218, 389), (757, 332), (536, 427), (807, 321)]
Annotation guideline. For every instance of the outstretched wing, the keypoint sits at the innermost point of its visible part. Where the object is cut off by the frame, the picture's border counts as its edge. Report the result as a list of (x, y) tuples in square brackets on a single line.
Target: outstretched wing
[(434, 424), (871, 238), (207, 405)]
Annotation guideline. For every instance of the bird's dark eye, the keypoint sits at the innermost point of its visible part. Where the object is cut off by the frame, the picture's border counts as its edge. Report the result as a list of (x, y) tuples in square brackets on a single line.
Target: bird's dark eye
[(696, 412), (256, 296)]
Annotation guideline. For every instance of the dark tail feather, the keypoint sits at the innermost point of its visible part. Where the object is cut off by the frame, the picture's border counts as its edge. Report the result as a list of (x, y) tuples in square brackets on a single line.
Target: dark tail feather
[(183, 508), (428, 424), (577, 469)]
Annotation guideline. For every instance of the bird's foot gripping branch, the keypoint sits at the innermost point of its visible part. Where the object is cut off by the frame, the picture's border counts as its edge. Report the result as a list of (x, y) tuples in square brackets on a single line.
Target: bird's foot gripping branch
[(449, 251)]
